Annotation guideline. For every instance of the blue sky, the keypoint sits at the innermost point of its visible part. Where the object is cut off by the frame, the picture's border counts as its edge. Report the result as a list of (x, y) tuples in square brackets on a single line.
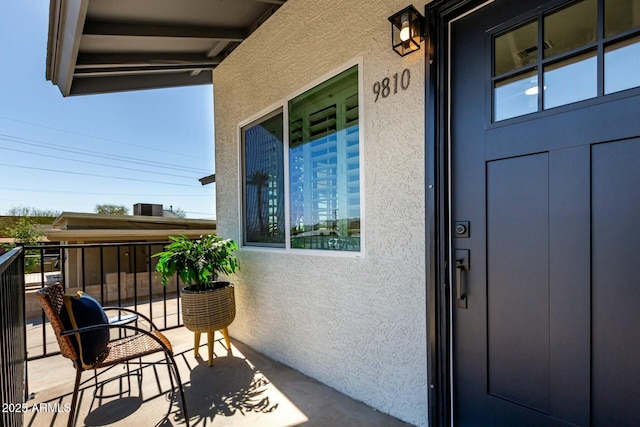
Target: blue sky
[(147, 146)]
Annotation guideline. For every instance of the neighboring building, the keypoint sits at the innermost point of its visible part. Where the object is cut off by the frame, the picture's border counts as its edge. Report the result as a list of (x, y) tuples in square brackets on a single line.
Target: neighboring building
[(443, 235), (84, 266), (73, 227)]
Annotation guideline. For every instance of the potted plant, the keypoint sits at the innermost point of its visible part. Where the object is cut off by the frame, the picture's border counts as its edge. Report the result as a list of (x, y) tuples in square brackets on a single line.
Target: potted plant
[(207, 304)]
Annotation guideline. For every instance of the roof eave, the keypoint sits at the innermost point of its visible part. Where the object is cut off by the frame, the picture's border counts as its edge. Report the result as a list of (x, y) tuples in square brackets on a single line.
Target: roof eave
[(66, 22)]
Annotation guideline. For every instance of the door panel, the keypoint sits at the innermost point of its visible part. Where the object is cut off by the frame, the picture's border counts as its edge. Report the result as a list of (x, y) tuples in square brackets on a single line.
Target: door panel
[(569, 283), (616, 299), (549, 335), (518, 280)]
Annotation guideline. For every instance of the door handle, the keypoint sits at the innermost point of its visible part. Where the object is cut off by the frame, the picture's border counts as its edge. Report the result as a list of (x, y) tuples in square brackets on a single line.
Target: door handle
[(462, 264)]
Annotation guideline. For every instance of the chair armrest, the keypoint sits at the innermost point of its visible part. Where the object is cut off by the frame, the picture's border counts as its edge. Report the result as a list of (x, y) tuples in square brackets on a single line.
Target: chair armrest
[(102, 326), (122, 319), (128, 310)]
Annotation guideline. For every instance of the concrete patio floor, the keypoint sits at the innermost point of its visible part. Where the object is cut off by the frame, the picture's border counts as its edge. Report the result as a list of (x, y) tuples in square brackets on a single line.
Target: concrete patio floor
[(242, 388)]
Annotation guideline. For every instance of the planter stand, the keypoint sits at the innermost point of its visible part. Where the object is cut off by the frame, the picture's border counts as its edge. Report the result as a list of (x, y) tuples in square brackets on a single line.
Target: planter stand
[(210, 341), (208, 311)]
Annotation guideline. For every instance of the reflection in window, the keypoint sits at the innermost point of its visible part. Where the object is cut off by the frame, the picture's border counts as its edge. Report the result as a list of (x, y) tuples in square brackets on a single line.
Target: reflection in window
[(324, 166), (264, 219), (569, 67), (516, 96), (570, 80), (516, 48), (570, 28), (620, 16), (621, 65)]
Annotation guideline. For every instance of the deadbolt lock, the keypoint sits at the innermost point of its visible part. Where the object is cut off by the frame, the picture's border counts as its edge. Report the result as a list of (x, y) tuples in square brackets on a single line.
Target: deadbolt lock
[(461, 229)]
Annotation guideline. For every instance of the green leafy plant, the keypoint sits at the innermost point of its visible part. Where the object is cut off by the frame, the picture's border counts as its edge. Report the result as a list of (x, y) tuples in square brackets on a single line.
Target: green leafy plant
[(107, 209), (26, 232), (197, 262)]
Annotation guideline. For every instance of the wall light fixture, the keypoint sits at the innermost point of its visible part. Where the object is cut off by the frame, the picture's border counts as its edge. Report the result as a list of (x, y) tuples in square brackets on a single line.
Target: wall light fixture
[(406, 30)]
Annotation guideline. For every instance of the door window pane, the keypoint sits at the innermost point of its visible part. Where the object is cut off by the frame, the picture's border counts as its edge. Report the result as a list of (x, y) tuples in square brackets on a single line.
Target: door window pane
[(515, 96), (570, 80), (570, 28), (516, 48), (263, 157), (620, 15), (571, 40), (622, 65), (324, 166)]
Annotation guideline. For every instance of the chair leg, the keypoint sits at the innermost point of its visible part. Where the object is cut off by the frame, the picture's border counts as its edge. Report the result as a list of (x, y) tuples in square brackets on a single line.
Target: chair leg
[(170, 376), (74, 399), (172, 363)]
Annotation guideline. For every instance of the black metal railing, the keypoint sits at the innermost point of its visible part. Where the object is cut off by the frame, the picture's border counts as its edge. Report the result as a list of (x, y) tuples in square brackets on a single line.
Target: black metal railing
[(116, 274), (13, 349)]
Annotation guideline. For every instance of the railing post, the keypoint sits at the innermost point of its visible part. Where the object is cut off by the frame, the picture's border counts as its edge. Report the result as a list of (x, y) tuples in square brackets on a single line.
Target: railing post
[(13, 348), (22, 291)]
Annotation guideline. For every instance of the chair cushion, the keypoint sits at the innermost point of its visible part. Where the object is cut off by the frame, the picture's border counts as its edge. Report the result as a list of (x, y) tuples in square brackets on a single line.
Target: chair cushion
[(79, 311)]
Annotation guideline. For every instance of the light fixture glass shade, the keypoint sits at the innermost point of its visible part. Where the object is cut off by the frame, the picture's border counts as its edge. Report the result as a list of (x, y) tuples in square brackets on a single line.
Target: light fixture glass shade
[(406, 30)]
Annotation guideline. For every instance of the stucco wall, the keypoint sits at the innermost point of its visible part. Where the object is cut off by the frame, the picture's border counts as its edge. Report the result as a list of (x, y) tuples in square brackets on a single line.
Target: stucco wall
[(357, 324)]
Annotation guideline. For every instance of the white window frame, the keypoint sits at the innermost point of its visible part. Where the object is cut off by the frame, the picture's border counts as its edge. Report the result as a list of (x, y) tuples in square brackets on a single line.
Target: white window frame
[(283, 104)]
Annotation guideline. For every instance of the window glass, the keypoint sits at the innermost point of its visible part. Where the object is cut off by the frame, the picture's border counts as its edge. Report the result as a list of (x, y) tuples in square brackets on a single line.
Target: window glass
[(571, 80), (621, 65), (620, 15), (516, 48), (515, 96), (263, 158), (572, 64), (570, 28), (324, 166)]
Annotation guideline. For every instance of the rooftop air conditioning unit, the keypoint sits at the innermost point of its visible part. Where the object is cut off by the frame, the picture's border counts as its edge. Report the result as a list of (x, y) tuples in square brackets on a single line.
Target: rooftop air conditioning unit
[(147, 209)]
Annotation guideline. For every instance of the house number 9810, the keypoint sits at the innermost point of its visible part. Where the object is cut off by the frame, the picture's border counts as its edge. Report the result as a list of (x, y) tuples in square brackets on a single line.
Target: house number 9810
[(383, 88)]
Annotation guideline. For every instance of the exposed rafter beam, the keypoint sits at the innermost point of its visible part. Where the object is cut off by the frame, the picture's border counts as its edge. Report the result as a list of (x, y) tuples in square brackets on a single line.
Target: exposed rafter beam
[(90, 85), (216, 48), (170, 31), (124, 71), (151, 60), (210, 179), (266, 15)]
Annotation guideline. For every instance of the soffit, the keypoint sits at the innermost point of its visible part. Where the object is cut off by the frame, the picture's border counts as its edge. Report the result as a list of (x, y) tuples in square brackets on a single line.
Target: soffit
[(100, 46)]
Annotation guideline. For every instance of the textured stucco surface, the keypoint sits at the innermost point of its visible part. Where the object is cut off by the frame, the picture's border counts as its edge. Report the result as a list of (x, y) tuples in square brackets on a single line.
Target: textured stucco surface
[(358, 324)]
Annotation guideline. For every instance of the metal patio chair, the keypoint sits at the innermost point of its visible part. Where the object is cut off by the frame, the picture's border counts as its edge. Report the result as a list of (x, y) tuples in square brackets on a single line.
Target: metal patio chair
[(121, 350)]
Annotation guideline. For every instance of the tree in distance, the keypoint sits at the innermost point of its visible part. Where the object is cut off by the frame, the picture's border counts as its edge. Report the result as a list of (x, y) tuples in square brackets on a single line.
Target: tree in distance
[(107, 209), (29, 211), (180, 213)]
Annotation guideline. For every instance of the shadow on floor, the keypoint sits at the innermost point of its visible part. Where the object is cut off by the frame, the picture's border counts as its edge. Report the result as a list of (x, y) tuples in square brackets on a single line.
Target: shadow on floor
[(242, 388)]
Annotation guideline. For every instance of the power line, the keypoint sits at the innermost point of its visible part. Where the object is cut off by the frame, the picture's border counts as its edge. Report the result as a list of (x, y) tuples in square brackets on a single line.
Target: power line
[(99, 137), (29, 190), (118, 158), (89, 153), (97, 175), (93, 163)]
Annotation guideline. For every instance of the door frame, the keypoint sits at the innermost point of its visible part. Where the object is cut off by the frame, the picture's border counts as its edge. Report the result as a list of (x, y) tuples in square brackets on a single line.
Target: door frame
[(440, 355)]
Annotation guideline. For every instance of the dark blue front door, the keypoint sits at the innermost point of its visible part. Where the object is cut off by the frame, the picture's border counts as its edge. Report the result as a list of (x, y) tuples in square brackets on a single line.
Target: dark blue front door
[(545, 174)]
